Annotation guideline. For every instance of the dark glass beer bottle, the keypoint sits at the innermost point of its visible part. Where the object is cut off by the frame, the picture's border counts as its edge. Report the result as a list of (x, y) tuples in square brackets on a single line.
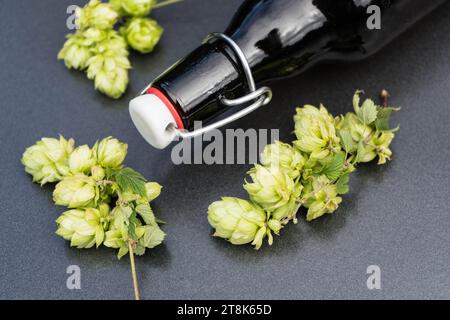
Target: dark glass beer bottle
[(278, 38)]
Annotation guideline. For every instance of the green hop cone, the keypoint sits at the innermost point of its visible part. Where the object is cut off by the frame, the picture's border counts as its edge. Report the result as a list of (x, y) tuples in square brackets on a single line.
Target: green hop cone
[(381, 142), (98, 173), (272, 188), (138, 8), (96, 15), (79, 47), (146, 236), (286, 157), (75, 52), (84, 228), (142, 34), (76, 191), (288, 211), (109, 65), (112, 82), (110, 152), (238, 221), (47, 160), (116, 5), (352, 124), (321, 197), (81, 160), (315, 132), (117, 234)]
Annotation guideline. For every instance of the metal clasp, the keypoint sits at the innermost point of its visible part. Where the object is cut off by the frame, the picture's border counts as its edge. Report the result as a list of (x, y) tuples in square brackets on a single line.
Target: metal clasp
[(260, 97)]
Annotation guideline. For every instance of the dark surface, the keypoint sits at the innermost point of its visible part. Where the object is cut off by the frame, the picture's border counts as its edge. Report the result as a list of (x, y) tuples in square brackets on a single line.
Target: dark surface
[(396, 216)]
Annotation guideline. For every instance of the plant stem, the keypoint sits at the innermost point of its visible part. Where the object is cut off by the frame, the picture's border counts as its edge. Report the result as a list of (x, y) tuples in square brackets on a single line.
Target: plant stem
[(385, 97), (165, 3), (133, 271)]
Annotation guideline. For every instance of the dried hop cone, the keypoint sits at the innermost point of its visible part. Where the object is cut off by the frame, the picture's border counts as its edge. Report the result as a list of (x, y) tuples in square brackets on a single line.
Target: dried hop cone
[(47, 160), (142, 34), (84, 228), (271, 188), (238, 221), (315, 132), (110, 152), (96, 14), (76, 191)]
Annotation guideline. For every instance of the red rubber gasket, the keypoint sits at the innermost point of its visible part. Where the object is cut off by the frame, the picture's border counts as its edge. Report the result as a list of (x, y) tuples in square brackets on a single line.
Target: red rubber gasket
[(168, 104)]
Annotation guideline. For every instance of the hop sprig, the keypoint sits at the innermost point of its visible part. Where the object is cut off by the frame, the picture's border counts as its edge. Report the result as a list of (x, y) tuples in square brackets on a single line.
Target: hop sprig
[(97, 48), (109, 203), (313, 172)]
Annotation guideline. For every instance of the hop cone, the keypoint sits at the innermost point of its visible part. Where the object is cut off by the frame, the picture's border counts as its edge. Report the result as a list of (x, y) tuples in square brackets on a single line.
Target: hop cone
[(109, 65), (47, 160), (138, 8), (238, 221), (81, 160), (315, 132), (76, 191), (284, 156), (271, 188), (322, 197), (110, 152), (84, 228), (142, 34), (97, 15)]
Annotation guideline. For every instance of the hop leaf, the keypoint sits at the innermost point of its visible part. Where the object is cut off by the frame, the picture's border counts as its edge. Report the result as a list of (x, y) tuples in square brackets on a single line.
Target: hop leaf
[(153, 236), (347, 142), (332, 166), (383, 118), (146, 212), (128, 180)]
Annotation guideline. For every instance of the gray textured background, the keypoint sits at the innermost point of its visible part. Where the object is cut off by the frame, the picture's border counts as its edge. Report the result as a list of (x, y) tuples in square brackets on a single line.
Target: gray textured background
[(396, 216)]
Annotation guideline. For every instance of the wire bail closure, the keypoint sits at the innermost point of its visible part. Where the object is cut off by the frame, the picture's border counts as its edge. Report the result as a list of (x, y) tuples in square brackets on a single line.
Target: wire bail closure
[(260, 97)]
